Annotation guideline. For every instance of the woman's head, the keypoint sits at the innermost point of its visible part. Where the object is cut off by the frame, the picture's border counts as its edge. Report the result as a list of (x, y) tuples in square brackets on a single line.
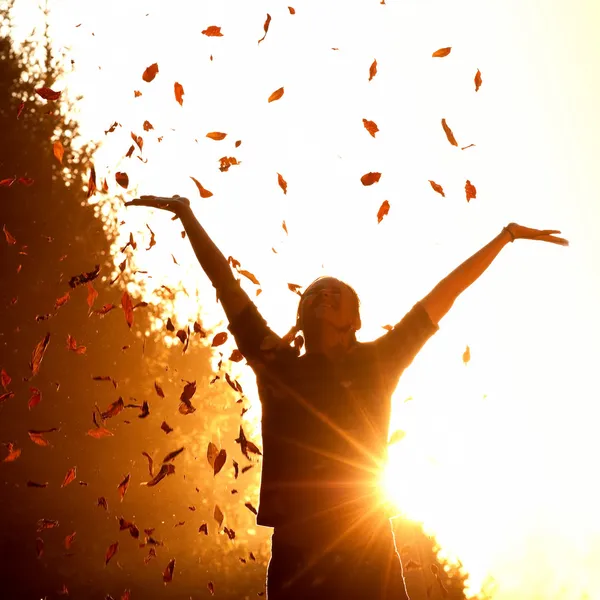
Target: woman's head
[(329, 300)]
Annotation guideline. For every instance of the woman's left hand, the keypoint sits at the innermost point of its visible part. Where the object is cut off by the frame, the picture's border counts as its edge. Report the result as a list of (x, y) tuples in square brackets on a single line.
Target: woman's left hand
[(544, 235)]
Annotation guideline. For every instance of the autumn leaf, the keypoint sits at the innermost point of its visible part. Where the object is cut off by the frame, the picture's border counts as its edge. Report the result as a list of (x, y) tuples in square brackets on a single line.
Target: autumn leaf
[(5, 379), (203, 529), (171, 456), (370, 178), (8, 182), (111, 551), (13, 453), (236, 356), (204, 193), (218, 515), (441, 52), (122, 487), (47, 93), (216, 135), (165, 427), (219, 339), (84, 277), (371, 127), (26, 181), (100, 432), (43, 524), (226, 162), (73, 347), (105, 309), (212, 31), (246, 445), (292, 10), (122, 179), (449, 133), (69, 477), (127, 305), (249, 275), (276, 95), (59, 151), (150, 73), (466, 355), (437, 188), (178, 88), (477, 80), (39, 547), (38, 354), (383, 211), (69, 539), (211, 454), (470, 190), (35, 399), (373, 70), (168, 572), (62, 300), (159, 391), (266, 28), (219, 461), (251, 508), (9, 238), (282, 183), (114, 408)]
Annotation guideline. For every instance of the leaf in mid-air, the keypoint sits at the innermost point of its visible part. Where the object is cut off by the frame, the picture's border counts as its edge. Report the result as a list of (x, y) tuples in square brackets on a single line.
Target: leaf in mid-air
[(276, 95), (441, 52)]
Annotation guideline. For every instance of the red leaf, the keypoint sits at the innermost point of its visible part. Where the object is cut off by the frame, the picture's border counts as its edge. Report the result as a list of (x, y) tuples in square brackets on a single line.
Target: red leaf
[(127, 305), (276, 95), (38, 354), (282, 183), (69, 477), (250, 276), (265, 27), (150, 73), (113, 409), (123, 486), (292, 10), (211, 587), (204, 193), (383, 211), (437, 188), (218, 515), (441, 52), (13, 453), (92, 294), (59, 151), (212, 31), (449, 133), (69, 540), (112, 550), (371, 127), (470, 190), (373, 70), (5, 378), (122, 179), (9, 238), (62, 300), (168, 572), (7, 396), (178, 88), (219, 461), (20, 110), (7, 182), (47, 93), (370, 178), (216, 135), (219, 339), (35, 399), (105, 309), (27, 181), (477, 80), (100, 432)]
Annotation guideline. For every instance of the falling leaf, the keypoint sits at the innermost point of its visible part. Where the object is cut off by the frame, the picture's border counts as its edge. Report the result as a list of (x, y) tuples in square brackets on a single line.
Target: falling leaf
[(292, 10), (122, 487), (113, 409), (449, 133), (219, 339), (477, 80), (227, 161), (216, 135), (5, 378), (178, 88), (383, 211), (59, 151), (437, 188), (35, 399), (84, 277), (466, 355), (44, 524), (105, 309), (246, 445), (20, 109), (266, 28), (212, 31), (276, 95), (150, 73), (36, 436), (38, 354), (69, 477), (220, 461), (122, 179), (47, 93), (469, 146), (165, 427), (370, 178), (373, 70), (102, 502), (218, 515), (34, 484), (204, 193), (251, 508), (7, 396), (282, 183), (127, 305), (13, 453), (396, 437), (7, 182), (9, 238), (110, 552), (470, 190), (72, 345), (69, 539), (371, 127), (27, 181), (249, 275), (173, 455), (169, 325), (441, 52), (159, 391), (100, 432), (62, 300)]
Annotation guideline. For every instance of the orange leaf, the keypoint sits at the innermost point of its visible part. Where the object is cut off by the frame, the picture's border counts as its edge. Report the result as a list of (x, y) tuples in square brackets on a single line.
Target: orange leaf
[(371, 127), (38, 354), (276, 95), (282, 183), (470, 190), (292, 10), (216, 135), (219, 461), (112, 550), (437, 188), (213, 31), (373, 70), (127, 305), (466, 355), (266, 28), (13, 453), (168, 572), (123, 486), (237, 144), (59, 151), (69, 477), (9, 238), (249, 275), (218, 515), (441, 52), (92, 182), (179, 93), (62, 300), (150, 73), (284, 227), (383, 210), (99, 432), (36, 397), (204, 193), (449, 133), (122, 179), (477, 80), (370, 178), (219, 339)]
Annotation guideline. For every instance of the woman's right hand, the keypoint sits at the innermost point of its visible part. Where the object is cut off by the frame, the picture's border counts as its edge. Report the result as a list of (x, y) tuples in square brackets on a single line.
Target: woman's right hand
[(174, 204)]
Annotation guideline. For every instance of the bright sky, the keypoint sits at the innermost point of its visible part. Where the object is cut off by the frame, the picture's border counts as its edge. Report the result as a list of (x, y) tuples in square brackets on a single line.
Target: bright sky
[(500, 455)]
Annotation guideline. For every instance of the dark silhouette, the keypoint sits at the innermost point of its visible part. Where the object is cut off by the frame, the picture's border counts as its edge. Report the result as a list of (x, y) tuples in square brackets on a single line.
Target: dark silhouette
[(325, 419)]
